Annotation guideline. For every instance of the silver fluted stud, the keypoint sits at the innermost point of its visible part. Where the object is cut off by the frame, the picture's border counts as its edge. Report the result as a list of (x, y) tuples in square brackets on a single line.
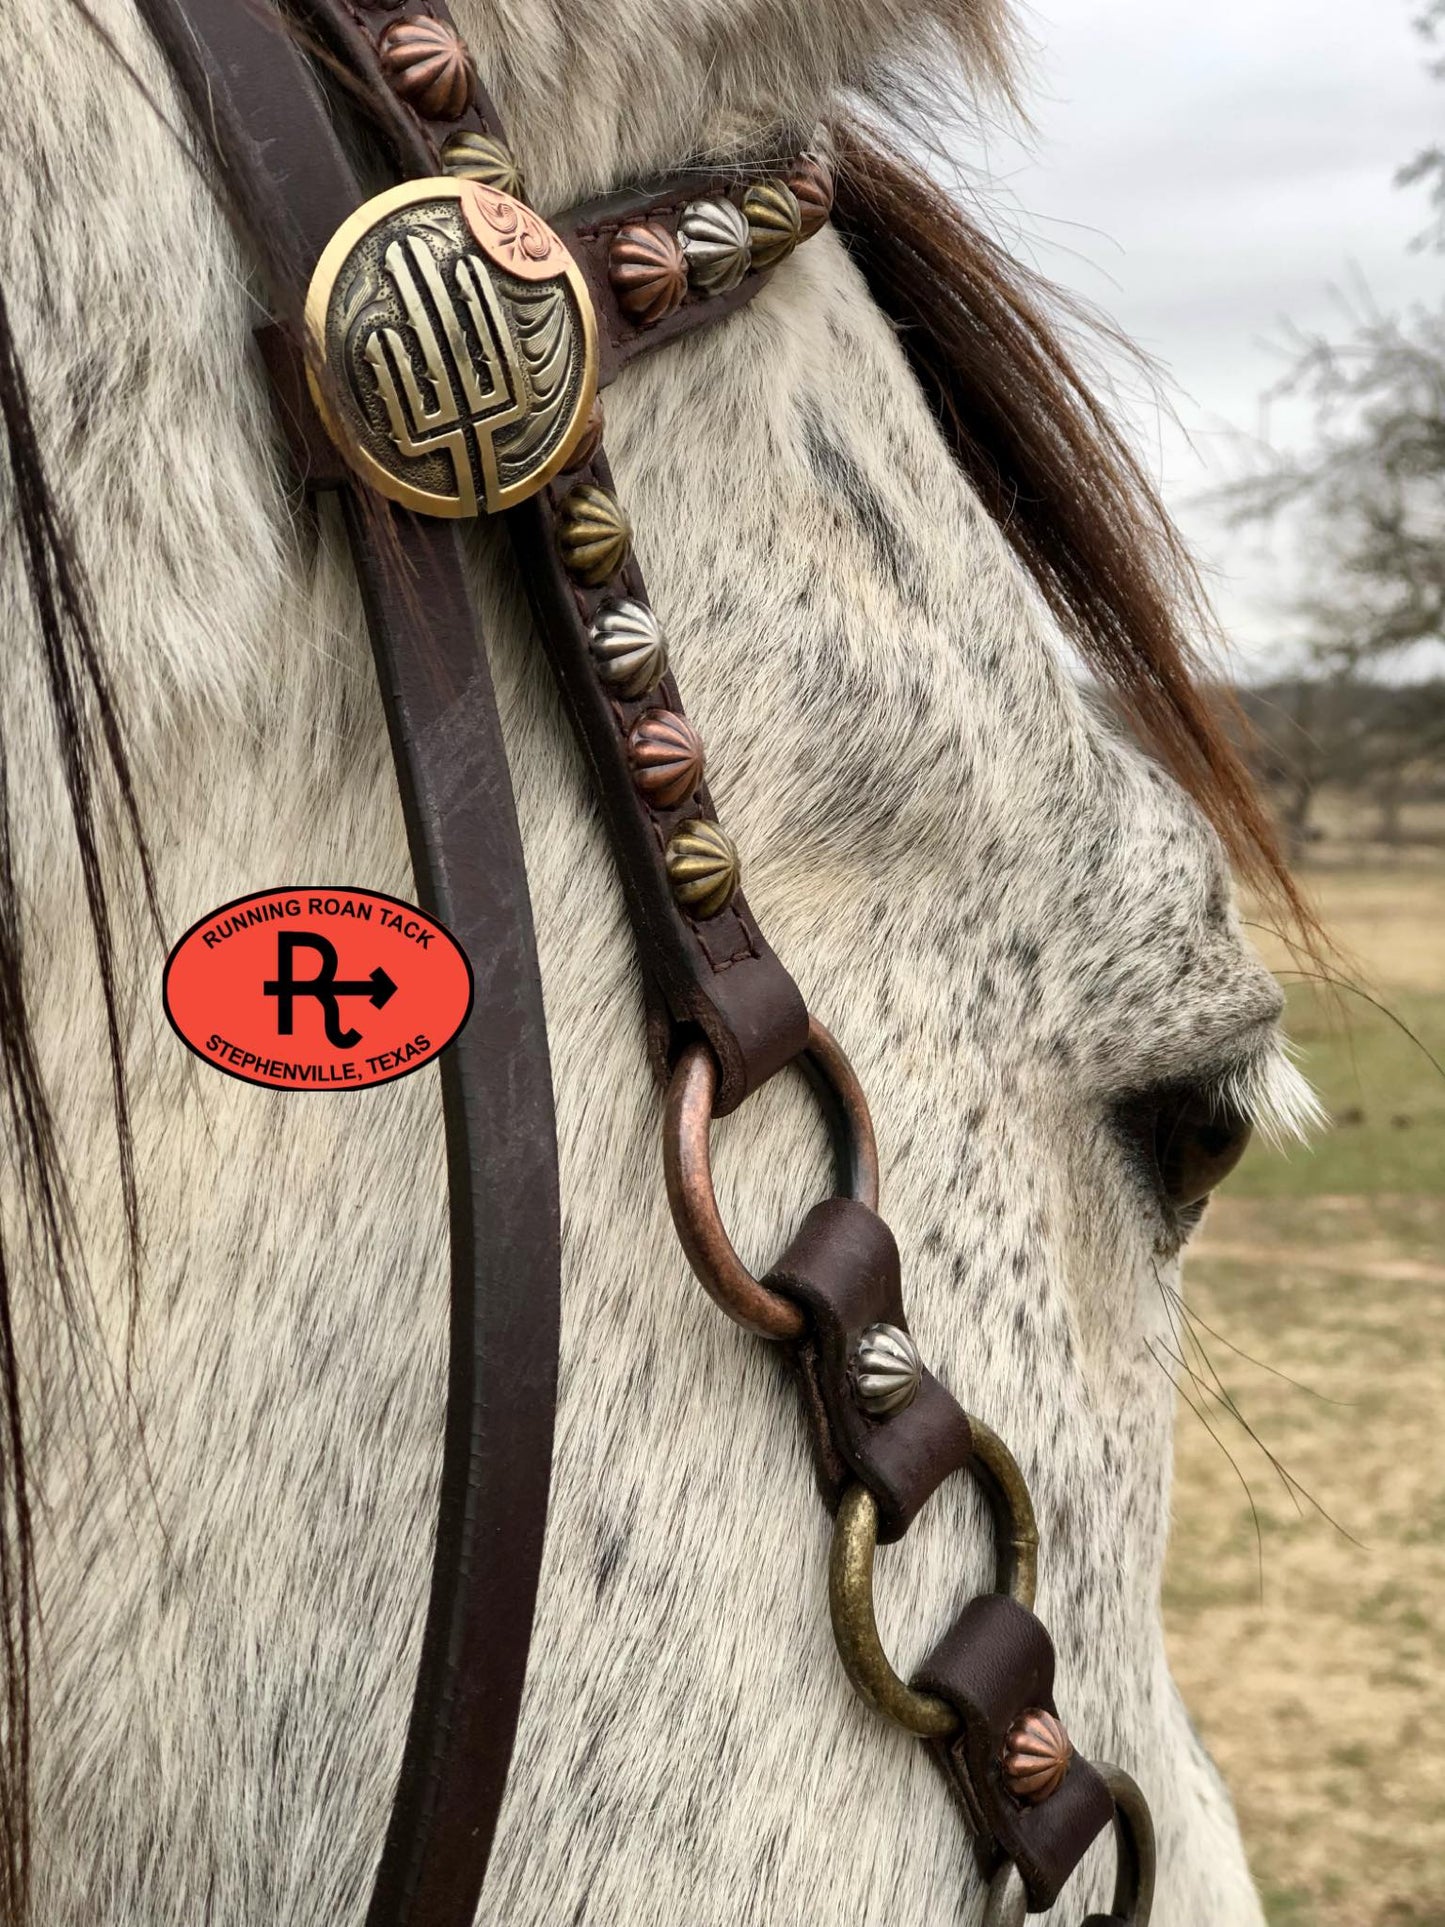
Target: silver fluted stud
[(716, 244), (887, 1370)]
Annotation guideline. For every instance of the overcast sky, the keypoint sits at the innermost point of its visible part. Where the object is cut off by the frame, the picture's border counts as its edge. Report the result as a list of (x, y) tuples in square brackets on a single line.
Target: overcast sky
[(1206, 173)]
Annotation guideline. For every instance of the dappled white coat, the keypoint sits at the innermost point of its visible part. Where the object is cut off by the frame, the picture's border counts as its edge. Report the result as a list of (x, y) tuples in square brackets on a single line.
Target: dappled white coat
[(1008, 917)]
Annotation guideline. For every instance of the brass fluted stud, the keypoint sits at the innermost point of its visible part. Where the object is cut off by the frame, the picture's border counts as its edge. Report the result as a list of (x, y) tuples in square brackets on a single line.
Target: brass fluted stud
[(812, 184), (645, 265), (482, 157), (775, 222), (702, 867), (427, 65), (595, 534), (1036, 1756), (628, 647), (667, 757)]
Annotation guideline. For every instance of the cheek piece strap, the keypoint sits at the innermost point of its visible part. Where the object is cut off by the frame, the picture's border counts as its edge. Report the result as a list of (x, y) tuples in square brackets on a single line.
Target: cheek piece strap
[(436, 352)]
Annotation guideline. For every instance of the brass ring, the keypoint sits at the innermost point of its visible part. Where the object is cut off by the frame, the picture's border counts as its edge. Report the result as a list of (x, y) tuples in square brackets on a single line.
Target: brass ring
[(1008, 1899), (687, 1157), (1133, 1846), (850, 1605), (850, 1583), (1016, 1532)]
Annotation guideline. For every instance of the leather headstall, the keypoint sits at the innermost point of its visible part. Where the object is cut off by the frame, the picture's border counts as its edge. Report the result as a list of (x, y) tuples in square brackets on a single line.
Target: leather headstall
[(453, 347)]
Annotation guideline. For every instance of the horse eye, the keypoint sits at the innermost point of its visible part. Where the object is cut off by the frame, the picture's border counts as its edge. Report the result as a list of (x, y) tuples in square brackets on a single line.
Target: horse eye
[(1198, 1140)]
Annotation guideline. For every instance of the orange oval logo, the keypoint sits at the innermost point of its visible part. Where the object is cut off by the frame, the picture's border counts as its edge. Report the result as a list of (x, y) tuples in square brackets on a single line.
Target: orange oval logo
[(317, 989)]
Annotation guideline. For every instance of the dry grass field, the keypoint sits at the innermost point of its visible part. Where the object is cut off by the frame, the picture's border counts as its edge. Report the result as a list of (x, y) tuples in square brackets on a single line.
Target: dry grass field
[(1311, 1652)]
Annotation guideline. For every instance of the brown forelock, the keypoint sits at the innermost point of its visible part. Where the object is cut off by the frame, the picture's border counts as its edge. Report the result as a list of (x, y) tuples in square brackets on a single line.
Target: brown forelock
[(1060, 479)]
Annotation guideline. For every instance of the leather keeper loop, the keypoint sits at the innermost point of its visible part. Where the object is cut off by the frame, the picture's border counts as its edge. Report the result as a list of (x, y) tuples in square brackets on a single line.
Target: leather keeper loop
[(995, 1663), (843, 1270)]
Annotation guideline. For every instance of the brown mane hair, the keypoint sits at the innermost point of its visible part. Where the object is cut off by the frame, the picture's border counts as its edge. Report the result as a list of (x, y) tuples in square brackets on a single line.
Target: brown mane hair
[(1055, 473)]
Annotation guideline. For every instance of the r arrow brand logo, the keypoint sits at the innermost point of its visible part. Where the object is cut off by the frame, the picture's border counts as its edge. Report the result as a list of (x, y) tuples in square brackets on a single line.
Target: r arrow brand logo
[(317, 989), (324, 987)]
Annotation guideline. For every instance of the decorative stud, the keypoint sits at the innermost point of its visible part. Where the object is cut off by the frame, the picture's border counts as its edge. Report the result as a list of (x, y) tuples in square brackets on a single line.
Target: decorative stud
[(812, 184), (715, 241), (886, 1370), (590, 439), (628, 647), (595, 534), (481, 157), (702, 867), (427, 66), (667, 757), (775, 222), (1036, 1756), (645, 264)]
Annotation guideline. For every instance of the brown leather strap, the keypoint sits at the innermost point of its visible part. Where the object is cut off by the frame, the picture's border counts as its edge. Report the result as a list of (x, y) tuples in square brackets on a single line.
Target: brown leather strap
[(256, 100), (716, 974), (993, 1665), (842, 1268)]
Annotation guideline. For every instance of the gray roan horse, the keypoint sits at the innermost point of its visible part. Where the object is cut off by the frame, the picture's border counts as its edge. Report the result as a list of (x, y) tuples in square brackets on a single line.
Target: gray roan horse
[(877, 511)]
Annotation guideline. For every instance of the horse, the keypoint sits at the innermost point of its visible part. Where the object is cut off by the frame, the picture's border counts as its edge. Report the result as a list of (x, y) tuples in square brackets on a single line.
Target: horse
[(224, 1341)]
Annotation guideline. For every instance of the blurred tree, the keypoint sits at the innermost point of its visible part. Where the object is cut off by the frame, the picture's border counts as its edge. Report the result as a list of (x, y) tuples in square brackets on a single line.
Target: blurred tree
[(1428, 166), (1367, 501)]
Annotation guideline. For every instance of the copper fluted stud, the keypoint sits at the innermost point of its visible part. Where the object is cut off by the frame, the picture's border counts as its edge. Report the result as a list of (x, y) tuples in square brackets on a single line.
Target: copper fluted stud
[(646, 266), (702, 867), (595, 535), (1036, 1756), (482, 157), (666, 754), (812, 184), (590, 440), (427, 65), (775, 222)]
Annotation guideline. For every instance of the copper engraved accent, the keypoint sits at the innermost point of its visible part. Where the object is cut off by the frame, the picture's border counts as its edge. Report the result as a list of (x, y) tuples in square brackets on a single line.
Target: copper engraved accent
[(667, 757), (482, 157), (428, 66), (1036, 1756), (647, 267), (812, 184), (460, 343), (775, 222), (511, 234), (703, 867), (595, 534)]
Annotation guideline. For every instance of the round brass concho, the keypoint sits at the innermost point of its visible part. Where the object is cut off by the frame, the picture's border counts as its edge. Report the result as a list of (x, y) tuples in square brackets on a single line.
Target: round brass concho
[(457, 346)]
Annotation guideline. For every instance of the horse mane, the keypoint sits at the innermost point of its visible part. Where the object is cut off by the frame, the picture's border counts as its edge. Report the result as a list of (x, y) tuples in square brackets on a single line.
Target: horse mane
[(99, 787), (1060, 480)]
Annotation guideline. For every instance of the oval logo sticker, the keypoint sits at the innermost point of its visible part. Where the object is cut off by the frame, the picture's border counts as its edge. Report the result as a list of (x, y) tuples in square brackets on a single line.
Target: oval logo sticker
[(317, 989)]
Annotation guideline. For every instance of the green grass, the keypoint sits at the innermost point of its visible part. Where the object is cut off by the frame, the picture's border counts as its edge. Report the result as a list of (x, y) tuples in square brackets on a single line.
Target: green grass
[(1385, 1098)]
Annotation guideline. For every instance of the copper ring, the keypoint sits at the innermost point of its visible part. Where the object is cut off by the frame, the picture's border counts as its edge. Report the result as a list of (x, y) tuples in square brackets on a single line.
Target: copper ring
[(687, 1157)]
